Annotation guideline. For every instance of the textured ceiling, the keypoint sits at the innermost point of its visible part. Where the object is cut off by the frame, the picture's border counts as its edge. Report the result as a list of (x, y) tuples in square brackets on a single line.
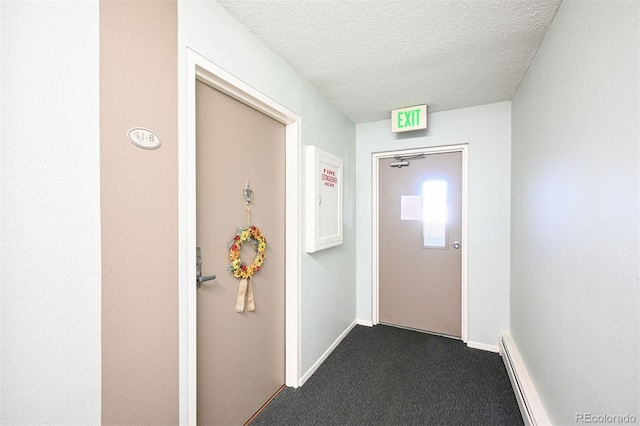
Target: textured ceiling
[(371, 56)]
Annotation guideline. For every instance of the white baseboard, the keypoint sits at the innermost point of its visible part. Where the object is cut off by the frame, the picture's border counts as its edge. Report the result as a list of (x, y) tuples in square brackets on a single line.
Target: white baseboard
[(324, 356), (366, 323), (533, 413), (483, 346)]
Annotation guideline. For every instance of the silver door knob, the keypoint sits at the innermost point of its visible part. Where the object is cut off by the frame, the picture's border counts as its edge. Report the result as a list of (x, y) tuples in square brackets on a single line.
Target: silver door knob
[(456, 245)]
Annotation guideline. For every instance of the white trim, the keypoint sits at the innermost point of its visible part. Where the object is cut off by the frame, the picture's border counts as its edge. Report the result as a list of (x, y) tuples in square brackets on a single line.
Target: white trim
[(326, 354), (199, 68), (531, 408), (483, 346), (465, 244), (463, 148), (365, 323), (293, 255)]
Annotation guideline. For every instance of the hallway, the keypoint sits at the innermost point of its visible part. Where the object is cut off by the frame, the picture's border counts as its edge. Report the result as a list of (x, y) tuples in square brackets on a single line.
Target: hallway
[(96, 264)]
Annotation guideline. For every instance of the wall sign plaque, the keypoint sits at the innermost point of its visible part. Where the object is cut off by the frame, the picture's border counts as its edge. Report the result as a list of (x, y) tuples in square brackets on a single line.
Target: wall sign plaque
[(143, 138)]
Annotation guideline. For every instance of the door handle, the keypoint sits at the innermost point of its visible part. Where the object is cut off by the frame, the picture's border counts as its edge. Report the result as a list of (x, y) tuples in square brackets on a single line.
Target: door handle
[(199, 278), (456, 245)]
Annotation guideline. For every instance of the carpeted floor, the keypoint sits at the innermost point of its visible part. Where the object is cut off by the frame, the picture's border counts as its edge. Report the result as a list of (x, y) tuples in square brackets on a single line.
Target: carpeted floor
[(390, 376)]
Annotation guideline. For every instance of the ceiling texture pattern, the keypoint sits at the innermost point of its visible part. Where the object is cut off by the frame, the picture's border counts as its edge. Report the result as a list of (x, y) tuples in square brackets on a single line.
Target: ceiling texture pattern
[(371, 56)]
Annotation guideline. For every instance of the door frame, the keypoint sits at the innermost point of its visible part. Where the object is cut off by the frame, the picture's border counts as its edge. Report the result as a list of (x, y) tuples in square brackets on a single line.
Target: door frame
[(201, 69), (375, 241)]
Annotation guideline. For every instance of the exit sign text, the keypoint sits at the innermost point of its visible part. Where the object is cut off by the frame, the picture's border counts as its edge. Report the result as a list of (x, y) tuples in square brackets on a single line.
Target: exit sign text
[(411, 118)]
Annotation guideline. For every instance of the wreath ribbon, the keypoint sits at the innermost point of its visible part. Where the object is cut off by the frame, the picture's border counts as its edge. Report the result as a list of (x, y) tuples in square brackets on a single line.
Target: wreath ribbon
[(245, 296)]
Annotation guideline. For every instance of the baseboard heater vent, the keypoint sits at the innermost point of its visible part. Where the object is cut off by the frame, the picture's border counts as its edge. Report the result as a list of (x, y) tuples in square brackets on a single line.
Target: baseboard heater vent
[(533, 413)]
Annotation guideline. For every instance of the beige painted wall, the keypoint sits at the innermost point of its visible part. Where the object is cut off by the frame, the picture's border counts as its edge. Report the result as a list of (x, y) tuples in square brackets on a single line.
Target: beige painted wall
[(139, 217)]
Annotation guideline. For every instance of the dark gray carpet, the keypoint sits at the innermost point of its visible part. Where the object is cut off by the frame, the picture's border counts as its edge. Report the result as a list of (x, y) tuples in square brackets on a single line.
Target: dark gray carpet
[(390, 376)]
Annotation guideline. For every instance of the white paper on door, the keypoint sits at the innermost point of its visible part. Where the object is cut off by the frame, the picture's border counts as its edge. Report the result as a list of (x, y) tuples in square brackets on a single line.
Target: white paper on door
[(410, 207)]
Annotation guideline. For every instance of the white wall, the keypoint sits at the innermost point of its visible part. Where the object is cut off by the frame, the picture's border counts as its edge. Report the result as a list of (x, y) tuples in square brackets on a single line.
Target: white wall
[(575, 242), (50, 213), (487, 130), (328, 289)]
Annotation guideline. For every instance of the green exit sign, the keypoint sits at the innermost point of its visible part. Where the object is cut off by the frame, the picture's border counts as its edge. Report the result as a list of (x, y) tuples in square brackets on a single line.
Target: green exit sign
[(411, 118)]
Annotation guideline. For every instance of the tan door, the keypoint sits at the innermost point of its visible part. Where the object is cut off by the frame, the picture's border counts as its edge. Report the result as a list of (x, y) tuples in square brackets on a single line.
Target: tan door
[(241, 356), (420, 269)]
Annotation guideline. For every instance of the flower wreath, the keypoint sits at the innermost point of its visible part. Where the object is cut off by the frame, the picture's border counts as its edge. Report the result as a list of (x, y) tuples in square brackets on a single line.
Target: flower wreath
[(254, 236)]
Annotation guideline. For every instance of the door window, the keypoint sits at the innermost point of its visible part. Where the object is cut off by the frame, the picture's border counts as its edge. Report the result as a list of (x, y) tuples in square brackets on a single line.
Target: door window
[(434, 214)]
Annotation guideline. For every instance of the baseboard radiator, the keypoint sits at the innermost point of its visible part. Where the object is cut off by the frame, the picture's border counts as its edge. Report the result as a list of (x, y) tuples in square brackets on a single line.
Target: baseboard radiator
[(533, 413)]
